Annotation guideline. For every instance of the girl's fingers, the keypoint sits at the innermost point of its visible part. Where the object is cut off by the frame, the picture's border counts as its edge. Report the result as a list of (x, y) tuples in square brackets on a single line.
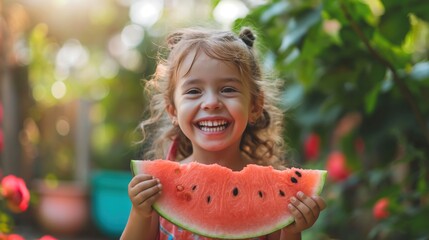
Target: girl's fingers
[(148, 193), (141, 186), (143, 189), (295, 212), (300, 211), (151, 200), (308, 207), (310, 203), (305, 210), (139, 178), (320, 202)]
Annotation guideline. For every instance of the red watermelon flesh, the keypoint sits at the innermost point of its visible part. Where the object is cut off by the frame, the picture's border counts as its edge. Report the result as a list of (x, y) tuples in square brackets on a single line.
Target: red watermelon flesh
[(214, 201)]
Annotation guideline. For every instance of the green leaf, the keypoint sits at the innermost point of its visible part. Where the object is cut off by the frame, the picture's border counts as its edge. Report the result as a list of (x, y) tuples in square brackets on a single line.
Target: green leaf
[(332, 10), (306, 72), (292, 96), (394, 26), (315, 42), (298, 27), (421, 10), (360, 11), (422, 183), (214, 3), (395, 55), (371, 99), (388, 4), (274, 10)]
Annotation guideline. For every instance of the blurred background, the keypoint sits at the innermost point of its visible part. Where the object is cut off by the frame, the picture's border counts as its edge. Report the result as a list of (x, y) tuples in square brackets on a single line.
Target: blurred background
[(356, 94)]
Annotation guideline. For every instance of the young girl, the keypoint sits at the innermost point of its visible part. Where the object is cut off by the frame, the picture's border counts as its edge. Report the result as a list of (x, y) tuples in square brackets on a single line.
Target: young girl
[(211, 104)]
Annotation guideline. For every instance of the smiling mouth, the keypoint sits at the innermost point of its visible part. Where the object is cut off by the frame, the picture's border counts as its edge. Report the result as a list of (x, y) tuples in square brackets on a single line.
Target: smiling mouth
[(213, 126)]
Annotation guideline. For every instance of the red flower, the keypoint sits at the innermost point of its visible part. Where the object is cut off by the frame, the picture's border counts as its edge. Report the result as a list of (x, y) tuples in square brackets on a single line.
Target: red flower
[(312, 146), (47, 237), (380, 209), (337, 167), (14, 190), (14, 237)]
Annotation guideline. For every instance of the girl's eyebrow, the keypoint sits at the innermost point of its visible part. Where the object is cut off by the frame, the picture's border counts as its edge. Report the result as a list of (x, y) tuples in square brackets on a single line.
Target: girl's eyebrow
[(194, 81)]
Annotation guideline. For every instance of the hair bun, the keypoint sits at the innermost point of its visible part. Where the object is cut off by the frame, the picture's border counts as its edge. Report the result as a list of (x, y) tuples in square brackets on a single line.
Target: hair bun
[(247, 36)]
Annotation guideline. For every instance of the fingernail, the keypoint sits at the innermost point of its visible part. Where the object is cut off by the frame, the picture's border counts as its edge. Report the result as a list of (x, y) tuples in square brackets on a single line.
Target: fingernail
[(290, 206), (159, 186), (293, 199), (300, 194)]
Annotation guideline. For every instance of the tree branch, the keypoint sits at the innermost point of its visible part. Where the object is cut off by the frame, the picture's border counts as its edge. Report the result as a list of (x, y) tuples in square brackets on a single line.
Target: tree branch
[(404, 90)]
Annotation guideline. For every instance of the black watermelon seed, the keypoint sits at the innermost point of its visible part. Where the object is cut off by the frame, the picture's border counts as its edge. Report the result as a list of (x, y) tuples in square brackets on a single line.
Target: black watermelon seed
[(208, 199), (294, 180), (194, 187), (282, 193), (235, 191), (261, 194), (298, 174)]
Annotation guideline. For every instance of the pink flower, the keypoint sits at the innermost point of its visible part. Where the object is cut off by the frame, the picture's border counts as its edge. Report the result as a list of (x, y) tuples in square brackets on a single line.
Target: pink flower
[(312, 146), (380, 209), (47, 237), (14, 190), (337, 167), (14, 237), (331, 27)]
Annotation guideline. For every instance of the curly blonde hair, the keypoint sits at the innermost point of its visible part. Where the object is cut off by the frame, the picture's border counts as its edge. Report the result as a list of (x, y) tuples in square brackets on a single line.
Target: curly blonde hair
[(262, 141)]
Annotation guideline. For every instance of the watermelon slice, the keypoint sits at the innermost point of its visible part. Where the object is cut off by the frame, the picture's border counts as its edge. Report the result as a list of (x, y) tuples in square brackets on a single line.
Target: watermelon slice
[(216, 202)]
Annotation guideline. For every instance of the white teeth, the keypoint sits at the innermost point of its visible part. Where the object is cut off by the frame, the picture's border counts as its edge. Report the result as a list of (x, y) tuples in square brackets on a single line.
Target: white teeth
[(213, 126), (212, 129), (212, 123)]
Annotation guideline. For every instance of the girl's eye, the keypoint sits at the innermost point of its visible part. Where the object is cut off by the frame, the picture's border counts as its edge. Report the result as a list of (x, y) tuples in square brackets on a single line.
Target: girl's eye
[(193, 91), (229, 90)]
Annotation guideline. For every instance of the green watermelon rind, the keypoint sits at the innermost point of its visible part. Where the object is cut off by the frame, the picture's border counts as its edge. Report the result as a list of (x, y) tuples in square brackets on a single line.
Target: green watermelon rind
[(323, 175), (281, 225)]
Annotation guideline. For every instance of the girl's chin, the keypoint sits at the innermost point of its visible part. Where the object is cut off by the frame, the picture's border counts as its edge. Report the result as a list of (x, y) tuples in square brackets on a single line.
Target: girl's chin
[(217, 145), (212, 146)]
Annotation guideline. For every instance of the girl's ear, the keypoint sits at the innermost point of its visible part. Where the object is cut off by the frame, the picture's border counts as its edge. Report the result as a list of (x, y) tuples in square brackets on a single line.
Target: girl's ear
[(171, 110), (257, 108)]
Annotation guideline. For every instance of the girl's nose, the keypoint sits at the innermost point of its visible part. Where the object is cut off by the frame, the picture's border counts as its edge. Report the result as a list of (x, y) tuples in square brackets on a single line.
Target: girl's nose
[(211, 102)]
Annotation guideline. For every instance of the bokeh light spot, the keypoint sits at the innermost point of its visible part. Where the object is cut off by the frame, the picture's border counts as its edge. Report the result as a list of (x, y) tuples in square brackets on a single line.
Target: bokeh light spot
[(146, 12), (63, 127), (58, 89), (227, 11)]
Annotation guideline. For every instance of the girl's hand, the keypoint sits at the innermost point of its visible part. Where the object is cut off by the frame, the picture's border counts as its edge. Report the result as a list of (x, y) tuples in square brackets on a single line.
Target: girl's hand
[(143, 191), (305, 210)]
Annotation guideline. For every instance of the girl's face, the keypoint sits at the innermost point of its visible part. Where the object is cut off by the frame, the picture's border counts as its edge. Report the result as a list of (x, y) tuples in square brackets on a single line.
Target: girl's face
[(211, 104)]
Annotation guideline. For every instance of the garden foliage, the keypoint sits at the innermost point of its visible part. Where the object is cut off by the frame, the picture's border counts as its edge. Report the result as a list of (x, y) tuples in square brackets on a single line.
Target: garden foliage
[(356, 91)]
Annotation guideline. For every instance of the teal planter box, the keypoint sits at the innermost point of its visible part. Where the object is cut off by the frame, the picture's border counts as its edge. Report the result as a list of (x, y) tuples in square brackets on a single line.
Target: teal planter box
[(110, 204)]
